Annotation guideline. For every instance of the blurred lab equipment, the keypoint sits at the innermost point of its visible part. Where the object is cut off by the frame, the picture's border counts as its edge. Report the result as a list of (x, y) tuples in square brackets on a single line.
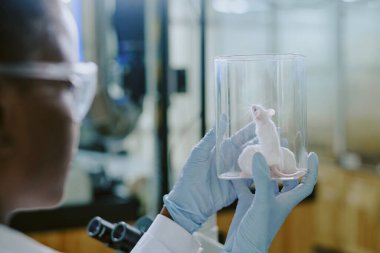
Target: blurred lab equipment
[(119, 49), (120, 236), (274, 81), (112, 33)]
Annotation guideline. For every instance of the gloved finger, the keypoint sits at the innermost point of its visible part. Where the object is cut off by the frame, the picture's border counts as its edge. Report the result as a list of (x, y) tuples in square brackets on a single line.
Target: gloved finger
[(245, 201), (242, 189), (241, 209), (305, 188), (311, 177), (243, 135), (260, 172), (276, 189), (289, 185), (203, 148)]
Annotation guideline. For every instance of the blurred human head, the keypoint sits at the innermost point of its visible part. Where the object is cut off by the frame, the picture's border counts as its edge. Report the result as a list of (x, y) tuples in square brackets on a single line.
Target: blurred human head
[(37, 134)]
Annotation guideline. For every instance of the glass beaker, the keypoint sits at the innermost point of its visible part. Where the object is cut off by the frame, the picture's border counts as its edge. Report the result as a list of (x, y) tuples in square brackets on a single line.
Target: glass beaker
[(270, 85)]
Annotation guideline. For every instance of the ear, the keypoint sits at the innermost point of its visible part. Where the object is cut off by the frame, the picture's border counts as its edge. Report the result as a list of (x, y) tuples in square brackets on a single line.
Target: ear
[(271, 112)]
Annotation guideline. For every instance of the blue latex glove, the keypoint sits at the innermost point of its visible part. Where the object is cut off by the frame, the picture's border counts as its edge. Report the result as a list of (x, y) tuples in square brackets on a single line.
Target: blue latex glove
[(199, 192), (259, 217)]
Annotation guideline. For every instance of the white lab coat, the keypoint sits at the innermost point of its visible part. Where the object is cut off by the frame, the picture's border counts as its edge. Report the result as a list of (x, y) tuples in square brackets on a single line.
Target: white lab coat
[(12, 241), (166, 236), (163, 236)]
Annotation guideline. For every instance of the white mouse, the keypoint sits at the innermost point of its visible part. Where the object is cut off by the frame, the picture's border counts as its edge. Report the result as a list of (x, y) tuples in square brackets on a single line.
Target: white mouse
[(245, 159), (281, 161), (266, 132)]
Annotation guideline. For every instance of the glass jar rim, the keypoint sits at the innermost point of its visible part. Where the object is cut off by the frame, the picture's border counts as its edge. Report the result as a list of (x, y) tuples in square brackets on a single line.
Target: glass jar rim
[(260, 57)]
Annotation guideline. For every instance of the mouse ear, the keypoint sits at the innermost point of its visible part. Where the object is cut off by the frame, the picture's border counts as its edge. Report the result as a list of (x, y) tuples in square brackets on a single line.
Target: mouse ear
[(271, 112)]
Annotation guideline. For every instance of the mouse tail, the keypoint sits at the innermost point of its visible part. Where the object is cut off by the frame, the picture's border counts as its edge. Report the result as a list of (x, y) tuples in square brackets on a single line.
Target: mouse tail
[(277, 173)]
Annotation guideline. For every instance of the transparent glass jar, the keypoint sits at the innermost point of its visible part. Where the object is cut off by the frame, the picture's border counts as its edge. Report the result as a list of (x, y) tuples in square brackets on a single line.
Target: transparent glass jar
[(271, 81)]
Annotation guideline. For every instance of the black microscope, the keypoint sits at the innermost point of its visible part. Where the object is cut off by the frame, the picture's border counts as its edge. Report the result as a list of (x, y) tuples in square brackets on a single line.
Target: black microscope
[(119, 236)]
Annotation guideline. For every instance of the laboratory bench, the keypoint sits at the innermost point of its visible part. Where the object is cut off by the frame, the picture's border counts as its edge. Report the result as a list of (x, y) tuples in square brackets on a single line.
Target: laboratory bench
[(343, 216)]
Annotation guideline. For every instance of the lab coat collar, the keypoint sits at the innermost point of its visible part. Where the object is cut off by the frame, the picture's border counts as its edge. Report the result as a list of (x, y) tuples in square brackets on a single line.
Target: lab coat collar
[(12, 241)]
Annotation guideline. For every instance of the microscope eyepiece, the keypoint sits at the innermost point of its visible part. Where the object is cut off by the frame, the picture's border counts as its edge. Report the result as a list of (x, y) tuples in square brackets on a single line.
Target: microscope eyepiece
[(120, 236), (125, 236), (118, 233), (94, 227), (101, 230)]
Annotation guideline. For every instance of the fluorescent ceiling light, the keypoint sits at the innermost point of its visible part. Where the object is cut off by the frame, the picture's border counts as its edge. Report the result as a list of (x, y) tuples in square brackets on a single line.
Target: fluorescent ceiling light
[(231, 6)]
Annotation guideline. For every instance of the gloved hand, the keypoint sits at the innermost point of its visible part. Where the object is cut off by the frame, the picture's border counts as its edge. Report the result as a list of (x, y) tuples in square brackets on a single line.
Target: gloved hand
[(199, 192), (259, 217)]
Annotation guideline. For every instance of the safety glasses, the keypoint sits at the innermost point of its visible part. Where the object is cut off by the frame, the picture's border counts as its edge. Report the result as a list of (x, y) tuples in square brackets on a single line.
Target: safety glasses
[(82, 77)]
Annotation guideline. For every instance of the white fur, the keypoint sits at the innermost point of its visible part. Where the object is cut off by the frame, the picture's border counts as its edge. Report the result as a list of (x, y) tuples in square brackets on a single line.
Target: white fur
[(245, 158), (289, 161), (280, 160)]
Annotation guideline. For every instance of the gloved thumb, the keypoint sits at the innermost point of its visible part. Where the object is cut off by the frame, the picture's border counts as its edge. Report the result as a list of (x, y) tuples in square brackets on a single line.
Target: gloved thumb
[(261, 177), (305, 188), (245, 200)]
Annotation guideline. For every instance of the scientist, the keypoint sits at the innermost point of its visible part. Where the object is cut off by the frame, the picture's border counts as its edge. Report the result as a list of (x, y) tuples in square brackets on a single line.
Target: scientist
[(45, 93)]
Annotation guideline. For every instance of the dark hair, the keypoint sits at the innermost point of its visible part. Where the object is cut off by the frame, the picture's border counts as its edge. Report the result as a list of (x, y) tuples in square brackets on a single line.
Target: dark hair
[(23, 26)]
